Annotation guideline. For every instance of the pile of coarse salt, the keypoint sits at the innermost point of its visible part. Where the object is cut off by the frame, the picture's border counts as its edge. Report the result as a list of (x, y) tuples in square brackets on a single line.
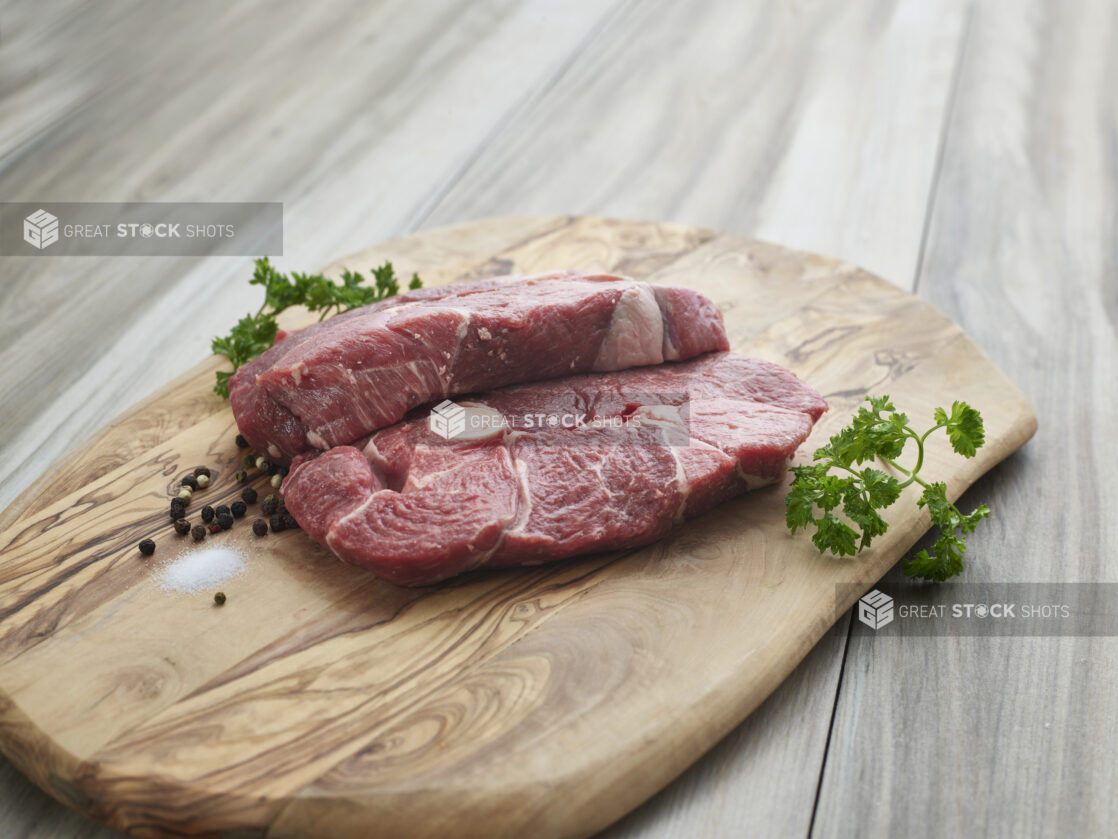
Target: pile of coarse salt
[(201, 568)]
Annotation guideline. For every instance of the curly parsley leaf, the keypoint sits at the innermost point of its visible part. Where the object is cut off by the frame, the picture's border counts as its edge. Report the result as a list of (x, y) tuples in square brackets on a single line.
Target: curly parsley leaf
[(254, 334), (964, 428), (834, 535), (946, 557), (850, 500)]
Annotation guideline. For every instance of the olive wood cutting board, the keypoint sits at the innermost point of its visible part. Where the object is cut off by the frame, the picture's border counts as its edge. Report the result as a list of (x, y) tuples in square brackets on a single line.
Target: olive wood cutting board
[(544, 702)]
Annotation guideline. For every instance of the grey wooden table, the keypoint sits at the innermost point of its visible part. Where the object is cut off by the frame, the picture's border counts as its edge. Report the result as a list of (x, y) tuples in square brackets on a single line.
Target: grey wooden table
[(967, 151)]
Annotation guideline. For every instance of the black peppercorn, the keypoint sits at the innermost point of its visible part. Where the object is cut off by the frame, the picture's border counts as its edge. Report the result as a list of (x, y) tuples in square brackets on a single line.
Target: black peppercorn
[(147, 547), (198, 533), (201, 470), (182, 527), (225, 520), (260, 527), (249, 495), (267, 468), (178, 507), (207, 514), (242, 443), (276, 523), (222, 509), (190, 481), (289, 522), (238, 509), (219, 598), (269, 505)]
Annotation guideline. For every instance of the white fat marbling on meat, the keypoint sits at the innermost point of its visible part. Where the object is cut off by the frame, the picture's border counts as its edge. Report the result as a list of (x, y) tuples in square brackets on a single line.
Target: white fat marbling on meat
[(524, 496), (482, 423), (671, 351), (636, 332), (754, 481), (447, 372), (360, 509), (671, 423)]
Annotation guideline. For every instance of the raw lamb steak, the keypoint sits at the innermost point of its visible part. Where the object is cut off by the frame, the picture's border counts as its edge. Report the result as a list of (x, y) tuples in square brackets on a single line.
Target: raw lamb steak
[(654, 445), (331, 383)]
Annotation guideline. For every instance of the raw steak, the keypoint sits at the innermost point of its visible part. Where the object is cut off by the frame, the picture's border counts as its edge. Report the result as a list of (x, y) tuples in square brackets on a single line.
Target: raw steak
[(335, 381), (647, 448)]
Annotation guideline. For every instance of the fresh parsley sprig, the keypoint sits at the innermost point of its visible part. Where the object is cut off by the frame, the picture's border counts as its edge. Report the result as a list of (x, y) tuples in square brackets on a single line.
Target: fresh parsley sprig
[(253, 334), (849, 498)]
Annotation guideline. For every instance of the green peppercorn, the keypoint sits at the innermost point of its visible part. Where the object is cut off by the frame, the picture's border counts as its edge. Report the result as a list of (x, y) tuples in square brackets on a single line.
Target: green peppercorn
[(270, 504), (182, 527), (147, 547), (201, 470), (242, 443), (207, 514), (249, 495), (248, 461), (190, 482), (219, 598), (241, 476), (198, 532), (203, 481), (260, 527), (276, 523)]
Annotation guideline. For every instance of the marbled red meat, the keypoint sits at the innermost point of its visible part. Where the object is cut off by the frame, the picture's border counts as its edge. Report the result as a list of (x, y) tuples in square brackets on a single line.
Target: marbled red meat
[(656, 445), (338, 380)]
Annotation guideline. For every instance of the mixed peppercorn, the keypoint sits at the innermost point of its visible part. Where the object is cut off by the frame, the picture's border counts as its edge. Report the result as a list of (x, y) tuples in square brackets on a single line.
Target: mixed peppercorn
[(274, 515)]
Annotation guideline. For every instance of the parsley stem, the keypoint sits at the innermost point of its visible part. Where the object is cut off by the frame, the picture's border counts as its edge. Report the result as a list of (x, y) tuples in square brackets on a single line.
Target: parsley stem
[(929, 432), (911, 475)]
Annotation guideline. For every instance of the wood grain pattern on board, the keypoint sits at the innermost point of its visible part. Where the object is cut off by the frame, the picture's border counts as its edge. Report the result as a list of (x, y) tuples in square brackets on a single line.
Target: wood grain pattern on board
[(320, 701)]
